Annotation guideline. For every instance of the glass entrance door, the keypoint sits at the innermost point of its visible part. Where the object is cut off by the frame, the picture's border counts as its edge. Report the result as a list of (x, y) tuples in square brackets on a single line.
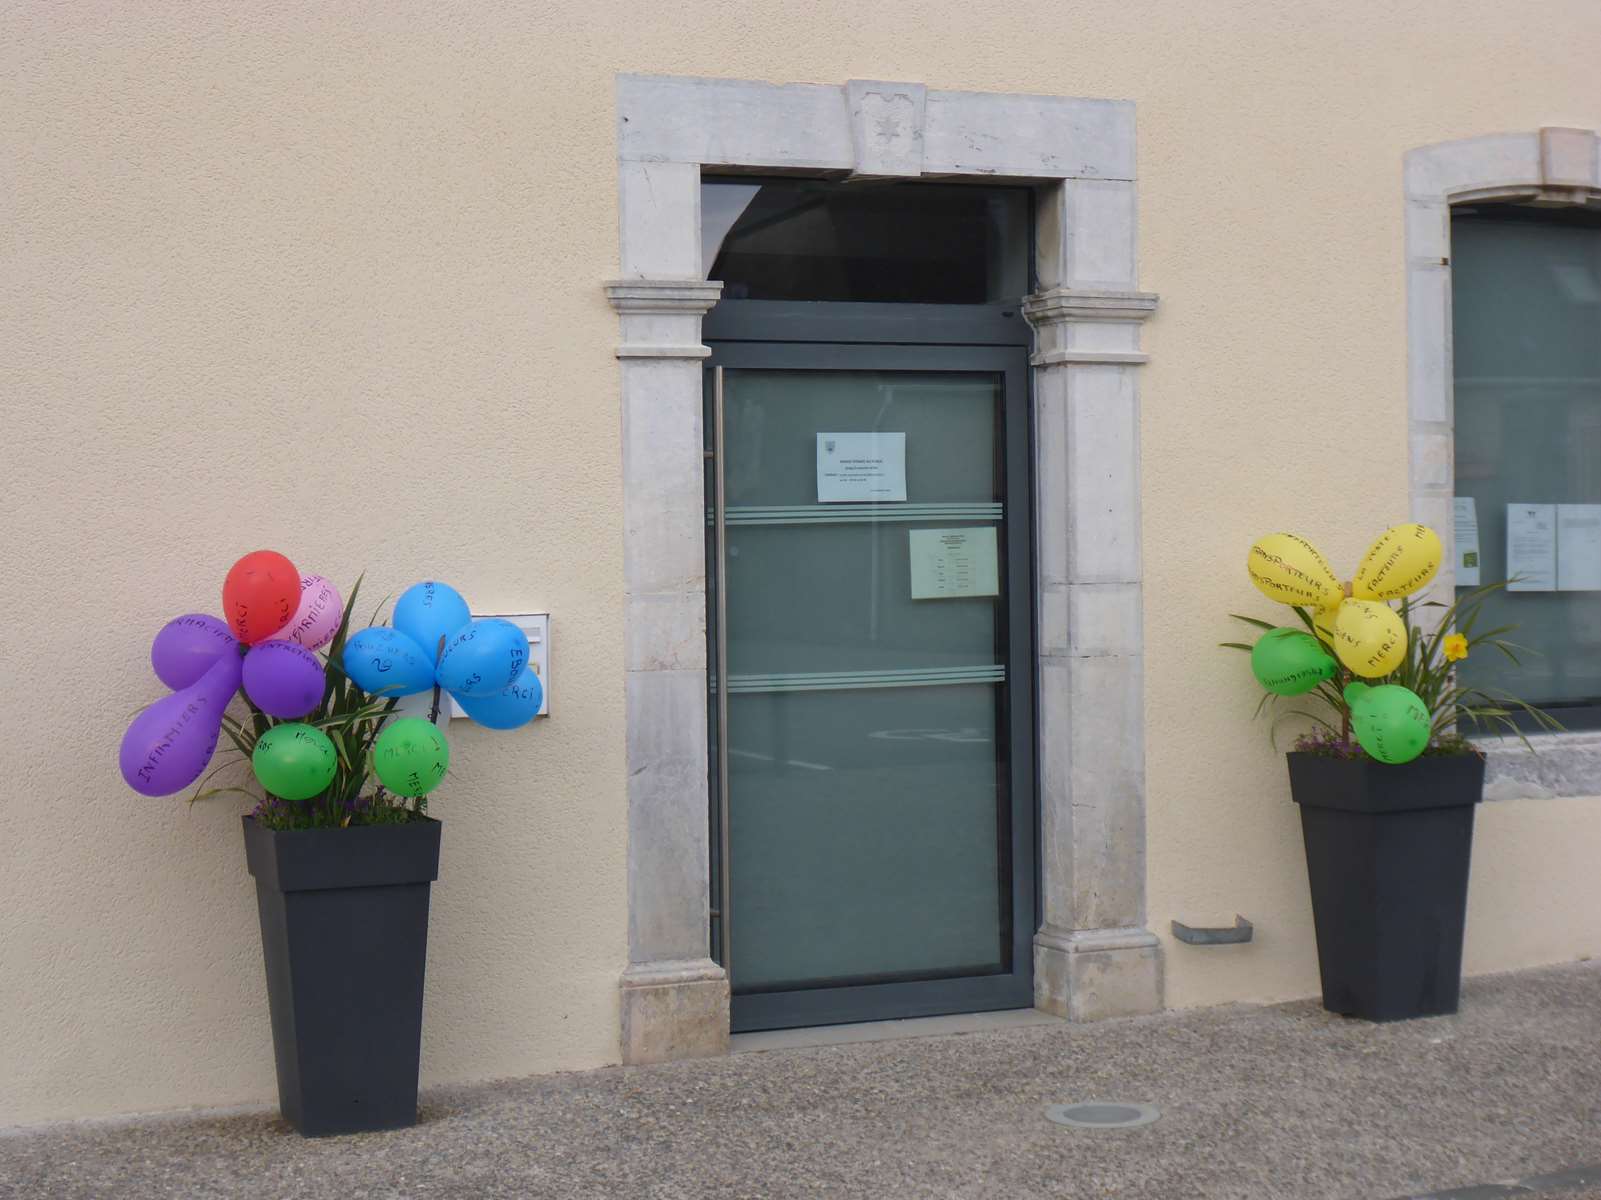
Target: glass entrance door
[(871, 680)]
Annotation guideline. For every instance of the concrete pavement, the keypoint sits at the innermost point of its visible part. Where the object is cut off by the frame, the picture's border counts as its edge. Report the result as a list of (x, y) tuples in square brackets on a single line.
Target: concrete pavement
[(1282, 1102)]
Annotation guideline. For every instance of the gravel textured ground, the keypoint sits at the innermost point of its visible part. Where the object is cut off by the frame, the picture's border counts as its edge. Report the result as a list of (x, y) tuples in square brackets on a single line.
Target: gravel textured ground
[(1281, 1102)]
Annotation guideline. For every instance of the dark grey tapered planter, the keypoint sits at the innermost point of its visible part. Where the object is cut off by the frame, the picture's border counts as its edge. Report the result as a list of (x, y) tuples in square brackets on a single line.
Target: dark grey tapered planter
[(1387, 856), (344, 932)]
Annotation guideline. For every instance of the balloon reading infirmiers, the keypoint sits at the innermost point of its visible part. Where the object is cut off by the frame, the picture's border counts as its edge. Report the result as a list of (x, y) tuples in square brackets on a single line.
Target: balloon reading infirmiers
[(1366, 634), (275, 619)]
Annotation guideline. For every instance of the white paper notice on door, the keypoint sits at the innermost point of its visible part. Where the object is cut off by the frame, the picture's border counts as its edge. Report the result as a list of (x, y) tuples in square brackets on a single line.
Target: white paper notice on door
[(1531, 547), (861, 468), (1467, 542), (1579, 547), (954, 562)]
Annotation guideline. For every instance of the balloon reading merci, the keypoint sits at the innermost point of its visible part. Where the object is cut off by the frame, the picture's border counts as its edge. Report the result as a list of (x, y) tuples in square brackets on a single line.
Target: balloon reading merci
[(168, 746), (1390, 722), (189, 646), (482, 657), (1369, 638), (514, 705), (1403, 559), (410, 757), (1289, 569), (385, 662), (428, 612), (1289, 662), (294, 761), (283, 679), (317, 618), (260, 595)]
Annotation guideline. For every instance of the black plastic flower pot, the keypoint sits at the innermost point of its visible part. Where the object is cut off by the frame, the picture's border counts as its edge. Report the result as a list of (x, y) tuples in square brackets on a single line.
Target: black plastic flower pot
[(344, 932), (1387, 856)]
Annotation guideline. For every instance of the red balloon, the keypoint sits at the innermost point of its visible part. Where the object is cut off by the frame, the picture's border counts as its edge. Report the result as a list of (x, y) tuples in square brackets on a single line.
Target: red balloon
[(260, 594)]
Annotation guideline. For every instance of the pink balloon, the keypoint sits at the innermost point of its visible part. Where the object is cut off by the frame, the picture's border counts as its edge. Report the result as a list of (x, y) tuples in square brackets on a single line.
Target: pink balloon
[(317, 619), (169, 744)]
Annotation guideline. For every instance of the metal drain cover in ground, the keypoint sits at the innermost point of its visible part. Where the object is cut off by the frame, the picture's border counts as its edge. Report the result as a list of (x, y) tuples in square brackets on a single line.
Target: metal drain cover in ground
[(1102, 1115)]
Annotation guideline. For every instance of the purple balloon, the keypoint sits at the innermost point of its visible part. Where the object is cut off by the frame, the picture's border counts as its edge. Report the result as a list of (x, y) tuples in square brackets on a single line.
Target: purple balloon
[(169, 744), (283, 679), (188, 646)]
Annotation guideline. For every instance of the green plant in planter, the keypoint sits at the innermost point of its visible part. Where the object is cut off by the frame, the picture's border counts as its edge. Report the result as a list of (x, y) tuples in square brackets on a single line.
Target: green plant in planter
[(1379, 681)]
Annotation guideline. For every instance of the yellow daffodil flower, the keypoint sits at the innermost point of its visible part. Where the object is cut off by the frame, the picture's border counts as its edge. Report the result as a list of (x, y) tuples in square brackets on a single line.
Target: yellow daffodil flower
[(1456, 647)]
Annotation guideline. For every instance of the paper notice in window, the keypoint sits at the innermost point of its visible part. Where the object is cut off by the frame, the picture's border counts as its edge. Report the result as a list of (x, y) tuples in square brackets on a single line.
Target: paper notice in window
[(1531, 547), (861, 467), (954, 562), (1579, 547), (1467, 542)]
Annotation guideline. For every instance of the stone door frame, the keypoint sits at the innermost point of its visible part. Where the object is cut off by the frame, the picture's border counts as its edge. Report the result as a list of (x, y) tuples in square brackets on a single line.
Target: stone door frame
[(1093, 955)]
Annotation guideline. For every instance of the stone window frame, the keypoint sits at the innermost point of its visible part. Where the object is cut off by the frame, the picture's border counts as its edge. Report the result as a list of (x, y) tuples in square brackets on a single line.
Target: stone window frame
[(1093, 954), (1553, 166)]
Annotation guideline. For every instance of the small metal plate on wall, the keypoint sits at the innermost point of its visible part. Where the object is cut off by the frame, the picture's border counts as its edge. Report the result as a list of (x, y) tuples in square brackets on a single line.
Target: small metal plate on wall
[(1102, 1114), (1240, 931)]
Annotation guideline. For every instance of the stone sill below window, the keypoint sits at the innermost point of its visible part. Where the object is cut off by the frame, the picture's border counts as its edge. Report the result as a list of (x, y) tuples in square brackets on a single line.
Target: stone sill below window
[(1561, 764)]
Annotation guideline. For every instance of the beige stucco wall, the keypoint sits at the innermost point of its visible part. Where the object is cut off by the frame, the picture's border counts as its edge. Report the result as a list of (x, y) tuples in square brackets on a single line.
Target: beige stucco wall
[(326, 278)]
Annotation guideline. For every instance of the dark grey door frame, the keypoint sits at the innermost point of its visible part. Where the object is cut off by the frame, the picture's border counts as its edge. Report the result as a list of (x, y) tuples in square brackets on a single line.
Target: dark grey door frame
[(992, 339)]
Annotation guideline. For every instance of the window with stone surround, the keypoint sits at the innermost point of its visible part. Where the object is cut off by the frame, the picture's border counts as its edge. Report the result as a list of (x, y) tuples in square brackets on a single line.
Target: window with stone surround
[(1526, 327), (1549, 170)]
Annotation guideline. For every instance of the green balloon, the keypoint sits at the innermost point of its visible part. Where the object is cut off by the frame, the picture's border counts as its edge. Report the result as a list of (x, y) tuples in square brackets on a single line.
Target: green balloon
[(1390, 723), (411, 756), (294, 761), (1289, 662)]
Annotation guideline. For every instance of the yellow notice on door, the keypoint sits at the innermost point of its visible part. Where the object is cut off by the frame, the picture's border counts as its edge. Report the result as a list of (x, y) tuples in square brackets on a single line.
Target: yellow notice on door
[(954, 562)]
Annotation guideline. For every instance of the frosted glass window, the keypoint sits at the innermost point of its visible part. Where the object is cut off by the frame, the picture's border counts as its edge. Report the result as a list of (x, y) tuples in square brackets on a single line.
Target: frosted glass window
[(1526, 300)]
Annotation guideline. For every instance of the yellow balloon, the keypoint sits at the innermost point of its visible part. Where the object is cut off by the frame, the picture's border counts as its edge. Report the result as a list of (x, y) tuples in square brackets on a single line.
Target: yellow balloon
[(1323, 622), (1289, 569), (1369, 638), (1403, 559)]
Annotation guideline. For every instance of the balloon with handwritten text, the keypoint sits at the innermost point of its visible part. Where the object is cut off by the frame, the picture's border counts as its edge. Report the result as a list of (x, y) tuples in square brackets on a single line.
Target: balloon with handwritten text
[(386, 663), (316, 618), (411, 756), (1366, 634), (169, 745), (189, 646), (436, 642), (1390, 722), (1290, 662), (260, 594), (482, 657), (428, 613), (283, 679), (265, 645), (294, 761), (515, 704)]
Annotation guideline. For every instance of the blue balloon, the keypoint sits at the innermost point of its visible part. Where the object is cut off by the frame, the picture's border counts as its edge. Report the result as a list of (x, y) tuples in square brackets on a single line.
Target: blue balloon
[(385, 662), (429, 611), (482, 657), (515, 705)]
